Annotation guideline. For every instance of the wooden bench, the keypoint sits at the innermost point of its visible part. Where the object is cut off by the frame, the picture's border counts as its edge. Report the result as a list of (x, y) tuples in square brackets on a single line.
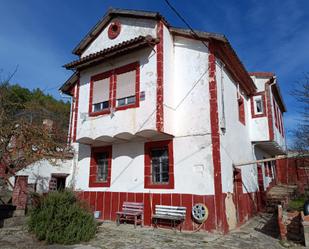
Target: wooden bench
[(172, 213), (131, 211)]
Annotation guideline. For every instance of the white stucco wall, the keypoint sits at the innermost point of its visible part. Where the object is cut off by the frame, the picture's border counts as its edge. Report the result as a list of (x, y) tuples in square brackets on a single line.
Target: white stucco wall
[(235, 142), (168, 81), (123, 121), (277, 135), (130, 28), (40, 173), (192, 174), (191, 91)]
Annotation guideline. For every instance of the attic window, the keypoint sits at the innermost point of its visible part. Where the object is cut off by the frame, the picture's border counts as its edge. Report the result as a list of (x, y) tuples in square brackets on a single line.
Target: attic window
[(114, 29)]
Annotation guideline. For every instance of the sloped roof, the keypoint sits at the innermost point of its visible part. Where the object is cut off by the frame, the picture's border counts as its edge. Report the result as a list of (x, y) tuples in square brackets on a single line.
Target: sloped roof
[(117, 49)]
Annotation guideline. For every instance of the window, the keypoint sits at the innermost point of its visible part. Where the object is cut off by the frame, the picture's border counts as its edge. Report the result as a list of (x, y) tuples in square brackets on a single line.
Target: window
[(127, 83), (100, 167), (159, 165), (258, 105), (100, 87), (241, 110), (159, 168), (117, 88)]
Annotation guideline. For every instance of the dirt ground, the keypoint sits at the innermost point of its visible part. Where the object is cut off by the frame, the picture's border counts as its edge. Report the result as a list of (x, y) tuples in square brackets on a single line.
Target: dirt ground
[(254, 234)]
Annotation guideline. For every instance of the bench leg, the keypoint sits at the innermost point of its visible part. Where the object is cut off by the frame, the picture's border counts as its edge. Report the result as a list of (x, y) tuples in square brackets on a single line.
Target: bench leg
[(118, 220), (142, 221), (135, 220)]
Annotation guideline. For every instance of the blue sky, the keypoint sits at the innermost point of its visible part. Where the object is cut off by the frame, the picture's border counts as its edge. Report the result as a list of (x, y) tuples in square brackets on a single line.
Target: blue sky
[(39, 36)]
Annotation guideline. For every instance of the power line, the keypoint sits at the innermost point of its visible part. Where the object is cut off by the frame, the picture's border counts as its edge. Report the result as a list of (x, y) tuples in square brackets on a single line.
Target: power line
[(185, 22)]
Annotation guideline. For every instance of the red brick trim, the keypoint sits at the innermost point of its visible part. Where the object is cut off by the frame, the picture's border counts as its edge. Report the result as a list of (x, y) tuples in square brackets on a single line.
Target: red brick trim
[(114, 29), (252, 105), (241, 110), (160, 68), (112, 74), (93, 167), (221, 221), (147, 177), (269, 111), (76, 100)]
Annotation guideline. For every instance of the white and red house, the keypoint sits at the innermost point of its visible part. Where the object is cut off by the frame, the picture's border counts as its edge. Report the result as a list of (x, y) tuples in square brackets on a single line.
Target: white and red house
[(161, 115)]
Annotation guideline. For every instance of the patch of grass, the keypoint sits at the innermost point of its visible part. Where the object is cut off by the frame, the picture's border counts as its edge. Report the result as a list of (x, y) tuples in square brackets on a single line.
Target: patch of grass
[(297, 204)]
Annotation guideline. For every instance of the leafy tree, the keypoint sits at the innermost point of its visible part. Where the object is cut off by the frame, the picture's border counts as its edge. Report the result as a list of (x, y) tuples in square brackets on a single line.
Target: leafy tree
[(24, 139)]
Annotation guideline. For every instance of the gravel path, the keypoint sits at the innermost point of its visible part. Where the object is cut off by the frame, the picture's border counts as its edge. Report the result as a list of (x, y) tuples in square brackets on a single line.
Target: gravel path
[(110, 236)]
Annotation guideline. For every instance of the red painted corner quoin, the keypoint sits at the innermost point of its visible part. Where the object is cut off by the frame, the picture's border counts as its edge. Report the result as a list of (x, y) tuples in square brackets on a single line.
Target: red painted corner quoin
[(221, 221), (269, 111), (160, 114), (76, 100)]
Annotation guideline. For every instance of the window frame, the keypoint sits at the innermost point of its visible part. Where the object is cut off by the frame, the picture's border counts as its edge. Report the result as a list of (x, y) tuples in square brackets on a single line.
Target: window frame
[(241, 110), (93, 182), (254, 114), (149, 146), (112, 74), (124, 69), (94, 78)]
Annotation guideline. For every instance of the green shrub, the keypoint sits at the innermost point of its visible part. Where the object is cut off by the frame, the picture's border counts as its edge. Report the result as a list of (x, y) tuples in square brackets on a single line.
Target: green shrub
[(60, 218)]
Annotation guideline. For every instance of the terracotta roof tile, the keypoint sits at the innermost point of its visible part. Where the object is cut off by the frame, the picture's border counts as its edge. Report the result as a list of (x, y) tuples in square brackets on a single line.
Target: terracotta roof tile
[(116, 49)]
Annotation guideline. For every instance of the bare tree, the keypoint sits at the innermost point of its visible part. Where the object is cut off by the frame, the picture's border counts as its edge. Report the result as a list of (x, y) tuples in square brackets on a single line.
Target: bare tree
[(301, 132)]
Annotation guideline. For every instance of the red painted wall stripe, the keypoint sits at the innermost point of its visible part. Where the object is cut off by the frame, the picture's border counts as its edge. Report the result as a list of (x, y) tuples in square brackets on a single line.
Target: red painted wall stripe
[(159, 113), (269, 111), (215, 138), (76, 111)]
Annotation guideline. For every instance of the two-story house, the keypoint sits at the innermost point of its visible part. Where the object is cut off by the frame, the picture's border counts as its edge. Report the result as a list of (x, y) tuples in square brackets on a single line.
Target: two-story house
[(161, 115)]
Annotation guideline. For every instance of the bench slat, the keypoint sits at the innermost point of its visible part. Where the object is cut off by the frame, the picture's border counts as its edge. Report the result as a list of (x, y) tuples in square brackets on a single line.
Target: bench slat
[(168, 217), (171, 207), (133, 203), (171, 213), (170, 210), (129, 213)]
